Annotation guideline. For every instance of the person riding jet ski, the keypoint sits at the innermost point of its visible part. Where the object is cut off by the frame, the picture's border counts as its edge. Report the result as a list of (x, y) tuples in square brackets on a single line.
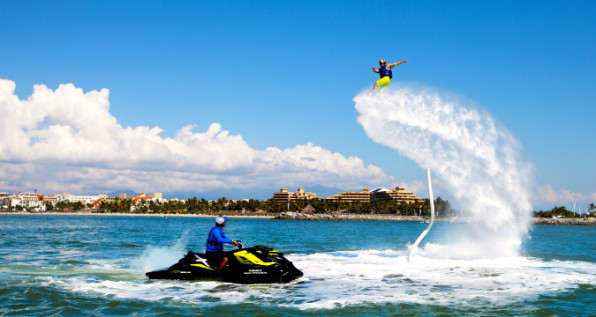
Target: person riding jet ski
[(258, 264), (215, 240)]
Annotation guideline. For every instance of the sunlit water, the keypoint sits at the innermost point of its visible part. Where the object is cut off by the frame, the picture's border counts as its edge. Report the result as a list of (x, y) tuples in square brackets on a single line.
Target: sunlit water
[(94, 265)]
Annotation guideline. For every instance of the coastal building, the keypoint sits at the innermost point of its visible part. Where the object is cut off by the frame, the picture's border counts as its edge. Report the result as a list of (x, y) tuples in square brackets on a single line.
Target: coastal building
[(31, 201), (84, 199), (398, 194), (361, 196), (4, 200), (39, 201), (140, 199), (50, 198), (26, 200), (284, 195), (156, 195)]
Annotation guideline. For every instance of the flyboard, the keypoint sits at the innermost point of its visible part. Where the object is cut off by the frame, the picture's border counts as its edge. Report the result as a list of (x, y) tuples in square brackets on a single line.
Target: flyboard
[(432, 216)]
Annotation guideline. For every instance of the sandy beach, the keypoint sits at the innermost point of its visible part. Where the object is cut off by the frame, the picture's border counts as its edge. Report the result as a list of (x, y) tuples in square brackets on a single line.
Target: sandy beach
[(261, 216)]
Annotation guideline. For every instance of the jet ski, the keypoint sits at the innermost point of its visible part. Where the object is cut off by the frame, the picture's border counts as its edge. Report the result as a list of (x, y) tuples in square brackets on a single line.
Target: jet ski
[(256, 265)]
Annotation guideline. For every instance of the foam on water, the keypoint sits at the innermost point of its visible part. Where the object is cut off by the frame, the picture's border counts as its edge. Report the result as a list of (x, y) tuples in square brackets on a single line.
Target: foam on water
[(351, 278), (472, 154)]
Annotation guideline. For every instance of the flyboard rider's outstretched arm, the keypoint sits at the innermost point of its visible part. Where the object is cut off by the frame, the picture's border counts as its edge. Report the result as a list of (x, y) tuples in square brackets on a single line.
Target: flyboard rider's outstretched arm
[(394, 64)]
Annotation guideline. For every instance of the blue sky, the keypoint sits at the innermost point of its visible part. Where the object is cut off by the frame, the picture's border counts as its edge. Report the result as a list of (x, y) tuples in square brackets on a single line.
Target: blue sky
[(281, 74)]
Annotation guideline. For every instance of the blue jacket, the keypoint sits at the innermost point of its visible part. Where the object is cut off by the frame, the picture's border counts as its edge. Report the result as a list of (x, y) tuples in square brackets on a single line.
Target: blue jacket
[(216, 239)]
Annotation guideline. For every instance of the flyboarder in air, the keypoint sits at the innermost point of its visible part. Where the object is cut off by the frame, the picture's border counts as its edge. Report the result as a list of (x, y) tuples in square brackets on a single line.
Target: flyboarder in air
[(386, 74)]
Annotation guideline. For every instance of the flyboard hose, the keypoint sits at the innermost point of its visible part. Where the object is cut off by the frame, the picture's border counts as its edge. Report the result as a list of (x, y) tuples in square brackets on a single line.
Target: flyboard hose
[(432, 216)]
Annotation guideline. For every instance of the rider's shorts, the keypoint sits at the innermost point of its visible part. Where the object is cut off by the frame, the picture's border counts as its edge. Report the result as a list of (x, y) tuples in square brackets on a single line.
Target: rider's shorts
[(383, 82), (214, 258)]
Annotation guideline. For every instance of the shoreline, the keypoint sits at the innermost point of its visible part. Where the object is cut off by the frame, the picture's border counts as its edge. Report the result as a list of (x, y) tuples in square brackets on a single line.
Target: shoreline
[(380, 217), (309, 217), (118, 214), (565, 221)]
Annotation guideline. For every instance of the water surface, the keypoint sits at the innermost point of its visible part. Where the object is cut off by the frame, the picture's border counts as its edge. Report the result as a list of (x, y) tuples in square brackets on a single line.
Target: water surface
[(94, 265)]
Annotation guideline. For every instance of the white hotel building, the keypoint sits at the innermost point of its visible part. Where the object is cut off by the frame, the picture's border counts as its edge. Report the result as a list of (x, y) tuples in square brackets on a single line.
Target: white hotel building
[(85, 199)]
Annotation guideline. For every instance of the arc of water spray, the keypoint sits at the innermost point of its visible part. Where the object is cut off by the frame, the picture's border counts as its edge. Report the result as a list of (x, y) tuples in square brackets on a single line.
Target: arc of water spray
[(477, 157)]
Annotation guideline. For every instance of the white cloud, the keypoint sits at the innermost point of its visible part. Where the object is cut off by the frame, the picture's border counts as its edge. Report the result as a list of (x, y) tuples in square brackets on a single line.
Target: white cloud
[(548, 194), (66, 139)]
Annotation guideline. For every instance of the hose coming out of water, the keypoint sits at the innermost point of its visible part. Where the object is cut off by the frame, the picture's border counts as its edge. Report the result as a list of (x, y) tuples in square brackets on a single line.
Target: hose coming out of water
[(432, 216)]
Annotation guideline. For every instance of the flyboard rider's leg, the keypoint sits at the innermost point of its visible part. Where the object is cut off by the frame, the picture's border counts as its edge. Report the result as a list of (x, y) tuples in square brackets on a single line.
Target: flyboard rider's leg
[(383, 83), (384, 87)]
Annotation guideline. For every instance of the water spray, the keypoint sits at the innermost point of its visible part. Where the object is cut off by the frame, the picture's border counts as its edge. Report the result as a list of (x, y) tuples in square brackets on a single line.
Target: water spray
[(432, 216), (477, 158)]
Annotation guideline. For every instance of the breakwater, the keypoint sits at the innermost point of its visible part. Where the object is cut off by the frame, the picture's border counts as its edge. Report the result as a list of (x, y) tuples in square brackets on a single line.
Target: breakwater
[(347, 217), (565, 221), (377, 217)]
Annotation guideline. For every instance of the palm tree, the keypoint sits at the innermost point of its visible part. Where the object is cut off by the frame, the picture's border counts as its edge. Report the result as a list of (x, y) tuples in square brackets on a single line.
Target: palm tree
[(49, 206)]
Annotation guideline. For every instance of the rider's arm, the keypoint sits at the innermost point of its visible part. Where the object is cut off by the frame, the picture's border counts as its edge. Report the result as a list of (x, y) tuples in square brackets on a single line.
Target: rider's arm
[(396, 63), (221, 237), (375, 70)]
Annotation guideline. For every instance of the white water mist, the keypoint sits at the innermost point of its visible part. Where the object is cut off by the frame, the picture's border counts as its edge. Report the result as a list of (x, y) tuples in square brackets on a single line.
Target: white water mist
[(472, 154), (158, 257)]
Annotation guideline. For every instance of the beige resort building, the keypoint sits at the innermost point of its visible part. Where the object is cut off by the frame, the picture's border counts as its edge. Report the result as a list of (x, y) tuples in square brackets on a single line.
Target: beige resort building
[(284, 195), (398, 194), (362, 196)]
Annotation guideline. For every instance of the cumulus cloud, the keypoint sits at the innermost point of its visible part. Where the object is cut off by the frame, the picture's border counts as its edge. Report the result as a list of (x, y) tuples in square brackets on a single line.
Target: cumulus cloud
[(548, 194), (66, 139)]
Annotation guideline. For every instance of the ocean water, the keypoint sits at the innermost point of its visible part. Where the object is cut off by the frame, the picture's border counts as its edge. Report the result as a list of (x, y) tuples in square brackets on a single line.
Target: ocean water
[(94, 266)]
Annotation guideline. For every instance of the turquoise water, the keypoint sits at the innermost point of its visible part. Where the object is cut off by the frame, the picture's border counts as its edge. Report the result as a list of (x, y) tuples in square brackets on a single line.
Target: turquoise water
[(94, 265)]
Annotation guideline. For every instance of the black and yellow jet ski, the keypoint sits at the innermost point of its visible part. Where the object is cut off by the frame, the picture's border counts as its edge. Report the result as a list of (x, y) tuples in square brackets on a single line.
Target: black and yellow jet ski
[(256, 265)]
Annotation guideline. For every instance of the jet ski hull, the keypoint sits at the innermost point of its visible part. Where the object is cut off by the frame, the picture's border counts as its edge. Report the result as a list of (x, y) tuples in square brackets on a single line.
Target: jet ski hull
[(254, 265)]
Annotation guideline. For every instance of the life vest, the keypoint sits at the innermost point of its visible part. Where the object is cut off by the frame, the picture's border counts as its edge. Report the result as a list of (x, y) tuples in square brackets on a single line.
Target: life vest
[(384, 71)]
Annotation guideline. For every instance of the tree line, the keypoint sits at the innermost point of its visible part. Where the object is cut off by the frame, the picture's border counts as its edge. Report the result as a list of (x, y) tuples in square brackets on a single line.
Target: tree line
[(59, 206), (561, 211), (202, 206)]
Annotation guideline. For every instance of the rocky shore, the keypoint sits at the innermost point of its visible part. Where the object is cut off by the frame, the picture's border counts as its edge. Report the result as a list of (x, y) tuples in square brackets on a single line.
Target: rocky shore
[(565, 221), (346, 217), (376, 217)]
